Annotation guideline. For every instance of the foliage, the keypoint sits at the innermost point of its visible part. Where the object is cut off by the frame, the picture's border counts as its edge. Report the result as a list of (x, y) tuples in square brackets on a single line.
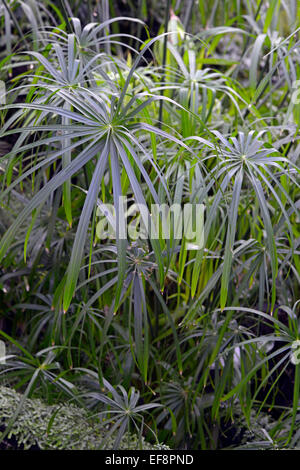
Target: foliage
[(58, 427), (196, 106)]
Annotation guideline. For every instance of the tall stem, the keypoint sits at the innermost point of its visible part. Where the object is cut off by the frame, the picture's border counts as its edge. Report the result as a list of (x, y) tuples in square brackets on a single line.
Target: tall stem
[(167, 16)]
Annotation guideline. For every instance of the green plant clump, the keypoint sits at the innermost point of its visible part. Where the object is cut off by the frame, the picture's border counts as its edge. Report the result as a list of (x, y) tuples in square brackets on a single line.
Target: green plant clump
[(149, 222)]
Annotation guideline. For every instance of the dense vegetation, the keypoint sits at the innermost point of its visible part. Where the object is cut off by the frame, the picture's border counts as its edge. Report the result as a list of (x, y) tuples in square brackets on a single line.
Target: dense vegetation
[(195, 344)]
